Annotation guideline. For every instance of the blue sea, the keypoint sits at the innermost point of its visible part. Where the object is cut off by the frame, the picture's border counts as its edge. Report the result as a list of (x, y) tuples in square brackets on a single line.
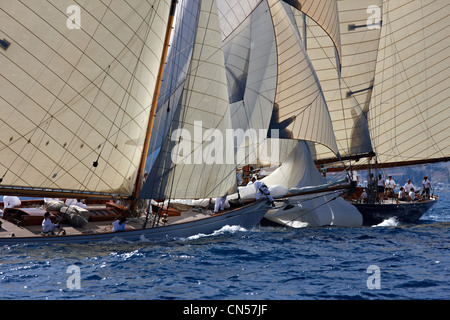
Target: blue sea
[(390, 261)]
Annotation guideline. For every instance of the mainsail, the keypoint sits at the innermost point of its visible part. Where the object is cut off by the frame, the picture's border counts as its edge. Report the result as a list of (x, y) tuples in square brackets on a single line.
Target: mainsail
[(396, 72), (77, 83), (409, 112)]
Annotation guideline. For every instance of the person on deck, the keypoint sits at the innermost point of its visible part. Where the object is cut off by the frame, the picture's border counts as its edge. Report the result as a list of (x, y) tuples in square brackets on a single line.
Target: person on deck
[(408, 186), (47, 225), (426, 184), (220, 204), (402, 194), (412, 195), (364, 196), (261, 189), (390, 185), (119, 224)]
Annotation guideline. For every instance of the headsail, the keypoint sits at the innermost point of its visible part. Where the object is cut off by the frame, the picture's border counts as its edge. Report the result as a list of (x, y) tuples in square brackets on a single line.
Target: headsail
[(347, 96), (77, 82), (202, 114), (273, 84), (299, 96)]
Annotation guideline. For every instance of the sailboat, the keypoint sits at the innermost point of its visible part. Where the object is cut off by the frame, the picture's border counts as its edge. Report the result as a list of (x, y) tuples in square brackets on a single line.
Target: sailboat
[(81, 87), (404, 98)]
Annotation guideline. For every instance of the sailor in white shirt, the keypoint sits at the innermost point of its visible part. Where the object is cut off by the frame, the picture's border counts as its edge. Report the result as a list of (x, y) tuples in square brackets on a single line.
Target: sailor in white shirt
[(47, 224), (220, 204), (364, 196), (402, 194), (119, 224), (426, 184), (412, 195), (261, 189), (408, 186), (390, 183)]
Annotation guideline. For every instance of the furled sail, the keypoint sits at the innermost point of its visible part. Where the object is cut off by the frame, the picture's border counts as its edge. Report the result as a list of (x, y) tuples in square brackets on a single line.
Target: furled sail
[(193, 162), (409, 112), (77, 82)]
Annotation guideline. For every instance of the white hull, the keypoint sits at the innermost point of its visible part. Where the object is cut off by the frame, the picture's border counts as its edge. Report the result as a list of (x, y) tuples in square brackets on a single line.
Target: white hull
[(315, 211)]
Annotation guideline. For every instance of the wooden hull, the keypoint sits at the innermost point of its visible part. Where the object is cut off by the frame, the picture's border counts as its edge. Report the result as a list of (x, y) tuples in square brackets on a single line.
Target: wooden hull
[(247, 217), (409, 212)]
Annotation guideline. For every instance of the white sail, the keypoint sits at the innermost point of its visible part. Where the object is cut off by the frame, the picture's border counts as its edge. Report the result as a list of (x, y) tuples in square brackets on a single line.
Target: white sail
[(175, 72), (409, 112), (299, 171), (77, 82), (182, 169), (233, 12), (272, 82), (348, 92), (325, 13), (299, 98)]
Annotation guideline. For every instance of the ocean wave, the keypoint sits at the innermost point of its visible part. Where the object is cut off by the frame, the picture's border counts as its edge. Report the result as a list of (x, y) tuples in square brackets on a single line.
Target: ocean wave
[(224, 230)]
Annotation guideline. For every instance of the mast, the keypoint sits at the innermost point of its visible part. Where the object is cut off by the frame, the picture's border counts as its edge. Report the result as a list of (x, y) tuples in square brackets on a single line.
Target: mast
[(154, 105)]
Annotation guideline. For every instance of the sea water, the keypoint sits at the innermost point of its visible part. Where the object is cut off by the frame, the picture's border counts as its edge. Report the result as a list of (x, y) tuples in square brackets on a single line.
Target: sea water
[(387, 261)]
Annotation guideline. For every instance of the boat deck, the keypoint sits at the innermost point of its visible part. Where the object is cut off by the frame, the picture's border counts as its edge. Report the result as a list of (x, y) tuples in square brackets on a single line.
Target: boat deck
[(11, 229), (390, 201)]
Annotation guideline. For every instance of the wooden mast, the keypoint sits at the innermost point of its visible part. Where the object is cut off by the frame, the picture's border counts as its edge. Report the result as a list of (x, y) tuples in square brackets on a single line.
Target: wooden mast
[(137, 186)]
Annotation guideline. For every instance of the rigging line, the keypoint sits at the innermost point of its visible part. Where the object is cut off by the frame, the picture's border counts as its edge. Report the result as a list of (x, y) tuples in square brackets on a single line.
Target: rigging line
[(169, 172), (345, 129), (171, 85)]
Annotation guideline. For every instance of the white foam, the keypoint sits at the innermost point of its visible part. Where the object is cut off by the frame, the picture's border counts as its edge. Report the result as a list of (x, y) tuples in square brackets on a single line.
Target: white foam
[(391, 222), (223, 230)]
